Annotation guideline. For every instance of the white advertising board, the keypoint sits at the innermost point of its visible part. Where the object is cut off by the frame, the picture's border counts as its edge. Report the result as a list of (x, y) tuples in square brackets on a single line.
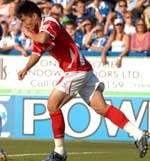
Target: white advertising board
[(132, 77)]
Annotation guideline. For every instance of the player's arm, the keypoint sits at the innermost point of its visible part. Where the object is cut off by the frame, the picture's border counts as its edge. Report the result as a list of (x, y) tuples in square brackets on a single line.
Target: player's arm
[(31, 62), (41, 37)]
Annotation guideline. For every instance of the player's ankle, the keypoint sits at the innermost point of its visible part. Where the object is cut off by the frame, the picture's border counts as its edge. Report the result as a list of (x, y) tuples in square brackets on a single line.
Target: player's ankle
[(60, 150)]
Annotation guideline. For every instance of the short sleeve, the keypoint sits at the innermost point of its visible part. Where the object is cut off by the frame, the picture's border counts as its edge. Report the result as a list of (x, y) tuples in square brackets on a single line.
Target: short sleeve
[(38, 48), (51, 26)]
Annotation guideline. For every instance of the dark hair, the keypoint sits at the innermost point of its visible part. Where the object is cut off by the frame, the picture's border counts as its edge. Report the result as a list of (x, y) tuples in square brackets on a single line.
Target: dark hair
[(122, 1), (27, 8), (58, 6), (4, 23), (92, 20), (79, 1)]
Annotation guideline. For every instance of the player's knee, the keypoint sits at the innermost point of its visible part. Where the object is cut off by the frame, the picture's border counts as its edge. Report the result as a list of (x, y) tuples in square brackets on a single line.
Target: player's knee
[(102, 109), (52, 108)]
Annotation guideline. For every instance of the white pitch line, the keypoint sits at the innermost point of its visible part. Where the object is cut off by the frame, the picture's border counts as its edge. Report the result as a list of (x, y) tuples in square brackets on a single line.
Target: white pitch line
[(41, 154)]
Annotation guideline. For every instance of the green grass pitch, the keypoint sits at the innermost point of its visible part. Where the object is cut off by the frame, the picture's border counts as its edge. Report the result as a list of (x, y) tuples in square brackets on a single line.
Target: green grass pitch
[(35, 150)]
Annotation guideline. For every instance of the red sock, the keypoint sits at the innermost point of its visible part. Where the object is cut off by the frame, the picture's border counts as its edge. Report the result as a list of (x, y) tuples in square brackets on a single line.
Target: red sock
[(58, 124), (116, 116)]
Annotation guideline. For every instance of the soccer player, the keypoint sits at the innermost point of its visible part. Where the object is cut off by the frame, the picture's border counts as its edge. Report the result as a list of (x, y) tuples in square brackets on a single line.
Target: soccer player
[(49, 35)]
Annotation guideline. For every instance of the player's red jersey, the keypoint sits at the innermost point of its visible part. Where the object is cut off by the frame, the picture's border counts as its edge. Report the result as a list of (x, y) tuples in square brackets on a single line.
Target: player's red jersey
[(61, 47)]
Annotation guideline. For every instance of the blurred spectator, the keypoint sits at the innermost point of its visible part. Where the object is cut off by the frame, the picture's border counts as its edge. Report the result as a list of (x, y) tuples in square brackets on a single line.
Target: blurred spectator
[(96, 39), (62, 2), (134, 4), (70, 27), (12, 8), (79, 17), (14, 23), (88, 25), (80, 11), (146, 15), (22, 44), (7, 41), (14, 28), (4, 8), (57, 11), (119, 13), (121, 9), (108, 26), (45, 6), (3, 18), (137, 8), (118, 41), (69, 7), (112, 4), (85, 28), (140, 41), (76, 34), (98, 9), (129, 28)]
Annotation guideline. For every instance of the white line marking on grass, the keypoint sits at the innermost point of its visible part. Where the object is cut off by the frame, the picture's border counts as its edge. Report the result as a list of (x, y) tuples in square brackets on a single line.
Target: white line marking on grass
[(41, 154), (23, 155)]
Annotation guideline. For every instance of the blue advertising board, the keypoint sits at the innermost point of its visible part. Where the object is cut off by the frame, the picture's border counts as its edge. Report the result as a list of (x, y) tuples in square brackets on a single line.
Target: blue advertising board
[(27, 117)]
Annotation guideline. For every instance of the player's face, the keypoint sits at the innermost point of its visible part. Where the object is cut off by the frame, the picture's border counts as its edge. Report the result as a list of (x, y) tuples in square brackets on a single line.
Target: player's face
[(29, 22)]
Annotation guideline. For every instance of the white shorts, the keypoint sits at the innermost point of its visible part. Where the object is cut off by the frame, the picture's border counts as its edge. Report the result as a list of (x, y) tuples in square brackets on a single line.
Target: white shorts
[(84, 83)]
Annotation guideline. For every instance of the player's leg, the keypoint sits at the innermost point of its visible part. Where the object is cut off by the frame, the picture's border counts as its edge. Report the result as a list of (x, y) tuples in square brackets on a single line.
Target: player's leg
[(92, 94), (98, 103), (55, 101), (63, 92), (65, 89)]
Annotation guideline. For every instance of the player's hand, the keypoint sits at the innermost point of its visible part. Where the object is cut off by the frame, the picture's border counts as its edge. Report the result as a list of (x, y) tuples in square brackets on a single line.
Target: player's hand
[(22, 74)]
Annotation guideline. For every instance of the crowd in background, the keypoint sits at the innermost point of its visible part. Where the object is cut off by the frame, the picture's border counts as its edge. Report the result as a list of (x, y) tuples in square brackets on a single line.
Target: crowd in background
[(95, 25)]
